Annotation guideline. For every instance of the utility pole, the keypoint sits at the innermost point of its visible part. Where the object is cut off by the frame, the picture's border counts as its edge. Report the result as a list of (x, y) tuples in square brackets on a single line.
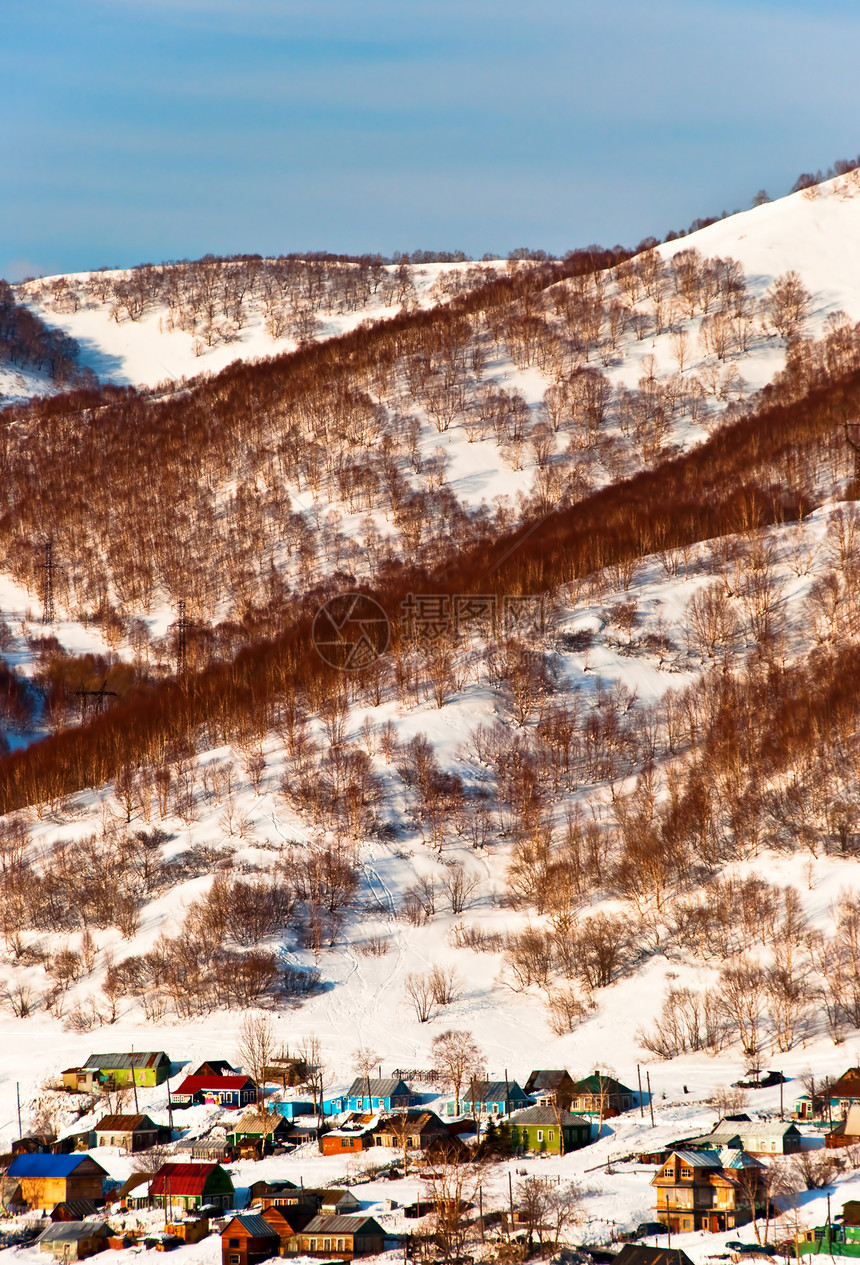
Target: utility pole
[(99, 695), (511, 1200), (650, 1097), (48, 567), (781, 1104), (181, 642), (134, 1083), (641, 1096), (852, 435), (18, 1096)]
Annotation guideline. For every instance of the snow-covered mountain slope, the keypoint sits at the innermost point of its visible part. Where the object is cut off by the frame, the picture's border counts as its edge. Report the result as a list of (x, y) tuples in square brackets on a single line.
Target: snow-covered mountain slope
[(604, 675)]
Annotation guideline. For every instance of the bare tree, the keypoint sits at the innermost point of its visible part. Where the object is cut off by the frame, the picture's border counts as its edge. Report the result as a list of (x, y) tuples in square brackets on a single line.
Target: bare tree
[(459, 1059), (459, 886), (255, 1049), (364, 1060), (419, 990), (451, 1187), (787, 304)]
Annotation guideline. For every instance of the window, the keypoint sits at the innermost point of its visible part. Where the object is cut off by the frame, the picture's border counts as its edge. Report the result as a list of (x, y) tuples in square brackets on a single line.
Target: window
[(326, 1245), (495, 1108), (313, 1245), (552, 1135), (540, 1135), (688, 1223), (346, 1142), (233, 1243), (686, 1172), (340, 1245), (235, 1258)]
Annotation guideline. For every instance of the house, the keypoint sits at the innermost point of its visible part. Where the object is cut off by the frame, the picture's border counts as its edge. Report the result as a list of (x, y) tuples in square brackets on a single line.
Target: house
[(276, 1192), (340, 1237), (756, 1137), (490, 1098), (549, 1129), (214, 1067), (846, 1132), (368, 1094), (845, 1092), (132, 1133), (224, 1091), (548, 1086), (288, 1222), (47, 1180), (416, 1128), (345, 1141), (633, 1254), (601, 1095), (74, 1240), (187, 1185), (248, 1240), (705, 1190), (259, 1132), (150, 1067), (831, 1100), (288, 1069), (333, 1200), (74, 1210)]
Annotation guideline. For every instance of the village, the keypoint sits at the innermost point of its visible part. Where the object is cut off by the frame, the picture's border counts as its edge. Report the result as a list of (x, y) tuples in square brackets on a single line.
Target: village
[(197, 1135)]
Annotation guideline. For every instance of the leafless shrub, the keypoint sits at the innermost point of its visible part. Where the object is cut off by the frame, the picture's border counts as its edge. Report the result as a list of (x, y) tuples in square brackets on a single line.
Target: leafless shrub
[(565, 1011), (374, 947), (459, 886), (445, 985), (478, 939), (83, 1016), (419, 990)]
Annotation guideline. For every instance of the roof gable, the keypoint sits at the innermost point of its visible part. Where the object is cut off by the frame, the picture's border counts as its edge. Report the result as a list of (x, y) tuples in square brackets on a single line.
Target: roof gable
[(50, 1165), (109, 1062), (252, 1223), (186, 1179), (198, 1084), (377, 1087), (124, 1124)]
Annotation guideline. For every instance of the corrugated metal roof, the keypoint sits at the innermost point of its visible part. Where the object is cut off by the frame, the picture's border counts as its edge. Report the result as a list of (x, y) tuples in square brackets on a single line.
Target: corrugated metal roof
[(111, 1062), (340, 1225), (377, 1087), (123, 1124), (548, 1115), (48, 1165), (196, 1084), (71, 1231), (259, 1122), (255, 1225), (699, 1159), (493, 1091), (181, 1179)]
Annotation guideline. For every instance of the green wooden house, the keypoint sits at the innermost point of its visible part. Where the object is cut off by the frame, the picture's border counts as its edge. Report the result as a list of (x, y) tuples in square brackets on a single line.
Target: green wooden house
[(548, 1129), (181, 1187), (149, 1067)]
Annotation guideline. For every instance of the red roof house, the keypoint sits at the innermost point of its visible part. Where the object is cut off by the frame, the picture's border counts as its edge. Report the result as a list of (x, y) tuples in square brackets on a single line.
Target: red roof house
[(189, 1185), (226, 1091)]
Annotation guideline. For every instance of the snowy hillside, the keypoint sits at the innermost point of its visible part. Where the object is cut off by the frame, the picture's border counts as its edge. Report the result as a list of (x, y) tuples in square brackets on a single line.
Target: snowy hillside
[(620, 833)]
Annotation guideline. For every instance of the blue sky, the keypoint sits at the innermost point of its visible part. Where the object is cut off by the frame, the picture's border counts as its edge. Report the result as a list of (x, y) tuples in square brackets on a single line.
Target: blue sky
[(136, 131)]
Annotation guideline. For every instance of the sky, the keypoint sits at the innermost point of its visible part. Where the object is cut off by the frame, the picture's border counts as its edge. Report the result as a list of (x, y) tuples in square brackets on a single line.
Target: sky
[(147, 130)]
